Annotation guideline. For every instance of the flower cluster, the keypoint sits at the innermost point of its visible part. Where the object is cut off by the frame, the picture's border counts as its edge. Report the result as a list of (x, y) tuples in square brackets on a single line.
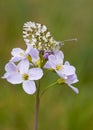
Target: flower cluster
[(24, 68), (42, 52)]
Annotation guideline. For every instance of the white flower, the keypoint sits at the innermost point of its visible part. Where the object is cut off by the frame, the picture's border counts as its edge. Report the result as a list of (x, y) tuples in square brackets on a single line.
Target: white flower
[(55, 61), (30, 54), (18, 54), (21, 73), (65, 71)]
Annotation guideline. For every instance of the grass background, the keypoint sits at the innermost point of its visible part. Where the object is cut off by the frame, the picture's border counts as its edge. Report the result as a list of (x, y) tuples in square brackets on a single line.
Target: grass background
[(60, 108)]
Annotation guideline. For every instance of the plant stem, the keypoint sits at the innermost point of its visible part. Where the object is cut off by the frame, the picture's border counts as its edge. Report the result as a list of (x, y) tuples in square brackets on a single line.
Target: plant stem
[(47, 88), (37, 101)]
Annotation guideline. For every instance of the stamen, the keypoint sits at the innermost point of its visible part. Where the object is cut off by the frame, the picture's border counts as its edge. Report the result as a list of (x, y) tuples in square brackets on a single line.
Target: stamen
[(25, 76), (38, 63), (59, 67), (29, 58)]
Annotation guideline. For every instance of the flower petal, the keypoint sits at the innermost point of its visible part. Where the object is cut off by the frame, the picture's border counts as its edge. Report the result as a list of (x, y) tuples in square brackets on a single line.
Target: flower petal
[(66, 63), (74, 89), (29, 87), (72, 79), (59, 57), (16, 59), (62, 75), (35, 73), (56, 59), (17, 52), (34, 54), (53, 62), (10, 67), (68, 70), (29, 46), (14, 78), (5, 75), (47, 65), (23, 66), (51, 57)]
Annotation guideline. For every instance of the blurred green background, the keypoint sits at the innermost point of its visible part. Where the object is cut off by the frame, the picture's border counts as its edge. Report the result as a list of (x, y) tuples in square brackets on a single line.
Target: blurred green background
[(60, 108)]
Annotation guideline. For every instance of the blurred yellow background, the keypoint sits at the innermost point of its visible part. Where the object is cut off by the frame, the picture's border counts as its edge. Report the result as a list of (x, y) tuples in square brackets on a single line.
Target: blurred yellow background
[(60, 108)]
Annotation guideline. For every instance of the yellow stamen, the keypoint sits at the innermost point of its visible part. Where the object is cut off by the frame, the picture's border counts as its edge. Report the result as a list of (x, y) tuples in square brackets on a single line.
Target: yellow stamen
[(25, 76), (38, 63), (59, 67), (29, 58)]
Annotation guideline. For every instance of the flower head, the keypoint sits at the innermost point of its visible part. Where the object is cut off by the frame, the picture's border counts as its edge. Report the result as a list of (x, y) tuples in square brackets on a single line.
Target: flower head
[(55, 61), (65, 71), (30, 54), (21, 73)]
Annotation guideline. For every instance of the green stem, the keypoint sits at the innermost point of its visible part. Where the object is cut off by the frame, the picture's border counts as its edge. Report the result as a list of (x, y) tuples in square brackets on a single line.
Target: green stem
[(37, 101), (47, 88)]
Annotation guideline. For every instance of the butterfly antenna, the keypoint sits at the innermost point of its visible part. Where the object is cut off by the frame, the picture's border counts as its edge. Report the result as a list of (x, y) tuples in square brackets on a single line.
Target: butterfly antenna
[(68, 40)]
